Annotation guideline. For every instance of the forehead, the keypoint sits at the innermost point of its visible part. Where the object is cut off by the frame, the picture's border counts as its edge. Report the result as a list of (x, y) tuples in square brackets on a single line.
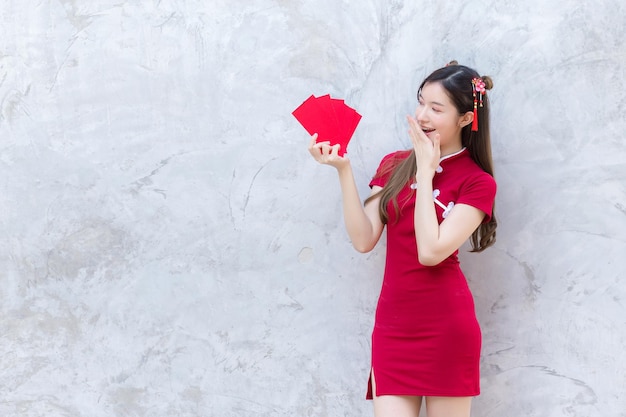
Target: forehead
[(435, 93)]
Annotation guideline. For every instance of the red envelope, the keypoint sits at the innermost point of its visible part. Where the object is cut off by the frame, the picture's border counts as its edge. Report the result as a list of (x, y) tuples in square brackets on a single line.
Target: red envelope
[(330, 118), (328, 128), (307, 115)]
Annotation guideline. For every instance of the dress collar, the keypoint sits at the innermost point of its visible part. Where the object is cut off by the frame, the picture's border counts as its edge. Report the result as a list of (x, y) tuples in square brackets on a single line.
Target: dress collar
[(439, 169), (443, 158)]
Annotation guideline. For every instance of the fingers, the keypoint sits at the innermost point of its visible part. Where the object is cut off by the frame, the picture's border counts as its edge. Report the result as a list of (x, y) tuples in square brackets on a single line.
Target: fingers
[(427, 148), (413, 126), (412, 134), (315, 147), (437, 141), (416, 132), (324, 152), (329, 152), (437, 146)]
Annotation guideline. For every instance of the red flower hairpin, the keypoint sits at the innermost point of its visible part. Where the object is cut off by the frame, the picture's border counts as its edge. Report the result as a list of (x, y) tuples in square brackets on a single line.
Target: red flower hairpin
[(478, 86)]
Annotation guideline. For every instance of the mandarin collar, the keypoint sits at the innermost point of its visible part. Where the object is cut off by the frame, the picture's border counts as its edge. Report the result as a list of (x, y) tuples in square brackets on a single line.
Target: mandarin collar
[(439, 169), (452, 155)]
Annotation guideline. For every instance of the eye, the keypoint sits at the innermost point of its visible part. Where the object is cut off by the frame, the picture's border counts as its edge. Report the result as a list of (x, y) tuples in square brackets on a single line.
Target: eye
[(436, 110)]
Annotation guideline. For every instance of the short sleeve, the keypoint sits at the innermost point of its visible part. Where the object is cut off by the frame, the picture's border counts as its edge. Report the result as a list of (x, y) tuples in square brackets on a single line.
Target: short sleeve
[(480, 192), (385, 168)]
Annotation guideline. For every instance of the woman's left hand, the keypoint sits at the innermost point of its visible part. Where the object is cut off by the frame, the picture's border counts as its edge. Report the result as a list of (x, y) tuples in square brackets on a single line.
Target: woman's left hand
[(427, 151)]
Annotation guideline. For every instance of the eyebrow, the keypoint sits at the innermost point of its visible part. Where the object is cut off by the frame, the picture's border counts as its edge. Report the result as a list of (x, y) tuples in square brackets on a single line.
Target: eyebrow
[(432, 102)]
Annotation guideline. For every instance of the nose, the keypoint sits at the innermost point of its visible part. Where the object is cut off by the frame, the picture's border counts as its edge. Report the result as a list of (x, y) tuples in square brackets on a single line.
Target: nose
[(420, 113)]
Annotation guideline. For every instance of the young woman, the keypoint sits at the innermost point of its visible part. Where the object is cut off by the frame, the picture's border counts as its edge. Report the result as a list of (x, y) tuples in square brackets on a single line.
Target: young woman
[(432, 198)]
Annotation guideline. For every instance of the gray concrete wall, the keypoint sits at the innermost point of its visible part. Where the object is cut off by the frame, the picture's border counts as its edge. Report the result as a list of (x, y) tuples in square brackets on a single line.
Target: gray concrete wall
[(168, 247)]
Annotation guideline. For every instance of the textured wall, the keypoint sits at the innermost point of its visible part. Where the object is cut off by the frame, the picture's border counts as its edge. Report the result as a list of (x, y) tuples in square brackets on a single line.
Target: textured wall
[(168, 247)]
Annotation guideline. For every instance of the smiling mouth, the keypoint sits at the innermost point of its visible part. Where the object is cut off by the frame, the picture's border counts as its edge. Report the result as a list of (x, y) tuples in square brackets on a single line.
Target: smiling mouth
[(428, 130)]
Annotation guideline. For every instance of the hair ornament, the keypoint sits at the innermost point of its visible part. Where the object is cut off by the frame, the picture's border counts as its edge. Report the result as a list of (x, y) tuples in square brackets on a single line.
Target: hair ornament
[(478, 89)]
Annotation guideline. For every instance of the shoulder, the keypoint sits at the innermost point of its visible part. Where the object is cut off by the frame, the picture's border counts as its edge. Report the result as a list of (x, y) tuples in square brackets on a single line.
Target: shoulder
[(471, 173), (387, 165), (396, 157), (476, 177), (390, 161), (478, 188)]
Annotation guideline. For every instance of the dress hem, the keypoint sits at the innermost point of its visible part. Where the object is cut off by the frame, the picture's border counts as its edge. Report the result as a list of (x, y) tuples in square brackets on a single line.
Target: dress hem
[(369, 395)]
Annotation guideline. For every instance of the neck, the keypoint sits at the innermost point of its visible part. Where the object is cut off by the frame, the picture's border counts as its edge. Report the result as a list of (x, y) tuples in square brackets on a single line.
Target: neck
[(449, 155), (452, 149)]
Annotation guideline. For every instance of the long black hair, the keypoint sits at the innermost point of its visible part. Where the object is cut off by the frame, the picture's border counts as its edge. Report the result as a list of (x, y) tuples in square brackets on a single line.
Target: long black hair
[(457, 82)]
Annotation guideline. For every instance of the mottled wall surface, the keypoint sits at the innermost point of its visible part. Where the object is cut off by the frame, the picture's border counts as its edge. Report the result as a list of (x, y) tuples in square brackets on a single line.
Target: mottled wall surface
[(169, 248)]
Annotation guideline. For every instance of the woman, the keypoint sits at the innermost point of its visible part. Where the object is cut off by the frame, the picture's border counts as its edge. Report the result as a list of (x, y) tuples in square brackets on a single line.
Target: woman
[(426, 339)]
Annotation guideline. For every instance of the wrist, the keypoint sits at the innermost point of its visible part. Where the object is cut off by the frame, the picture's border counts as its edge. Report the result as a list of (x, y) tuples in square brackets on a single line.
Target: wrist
[(343, 169), (423, 176)]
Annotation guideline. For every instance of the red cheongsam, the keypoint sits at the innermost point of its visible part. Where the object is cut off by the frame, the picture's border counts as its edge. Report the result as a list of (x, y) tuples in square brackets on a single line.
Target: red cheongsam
[(426, 339)]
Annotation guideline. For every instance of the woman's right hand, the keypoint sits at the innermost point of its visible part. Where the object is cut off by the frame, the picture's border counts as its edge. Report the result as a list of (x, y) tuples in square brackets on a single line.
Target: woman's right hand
[(326, 154)]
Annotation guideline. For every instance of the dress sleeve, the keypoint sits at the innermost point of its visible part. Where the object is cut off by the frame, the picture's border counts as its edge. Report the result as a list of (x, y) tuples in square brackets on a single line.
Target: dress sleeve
[(479, 192), (385, 168)]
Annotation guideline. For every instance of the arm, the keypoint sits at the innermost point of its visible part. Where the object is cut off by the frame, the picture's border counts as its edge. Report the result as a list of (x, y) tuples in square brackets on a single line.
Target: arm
[(362, 223), (435, 242)]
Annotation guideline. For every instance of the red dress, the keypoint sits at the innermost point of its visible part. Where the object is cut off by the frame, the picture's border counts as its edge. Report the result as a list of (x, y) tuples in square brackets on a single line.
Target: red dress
[(426, 339)]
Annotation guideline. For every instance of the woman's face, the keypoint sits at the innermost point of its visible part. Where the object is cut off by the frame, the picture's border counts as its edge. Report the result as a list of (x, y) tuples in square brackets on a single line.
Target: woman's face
[(437, 114)]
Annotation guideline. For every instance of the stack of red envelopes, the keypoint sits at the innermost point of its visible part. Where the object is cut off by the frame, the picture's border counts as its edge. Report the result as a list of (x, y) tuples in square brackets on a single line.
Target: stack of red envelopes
[(331, 118)]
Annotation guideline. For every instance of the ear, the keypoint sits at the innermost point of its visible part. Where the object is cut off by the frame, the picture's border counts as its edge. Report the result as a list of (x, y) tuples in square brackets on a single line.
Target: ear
[(466, 119)]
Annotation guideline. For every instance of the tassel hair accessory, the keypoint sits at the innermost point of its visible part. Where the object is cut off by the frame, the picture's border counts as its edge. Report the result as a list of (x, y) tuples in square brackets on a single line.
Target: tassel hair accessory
[(478, 89)]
